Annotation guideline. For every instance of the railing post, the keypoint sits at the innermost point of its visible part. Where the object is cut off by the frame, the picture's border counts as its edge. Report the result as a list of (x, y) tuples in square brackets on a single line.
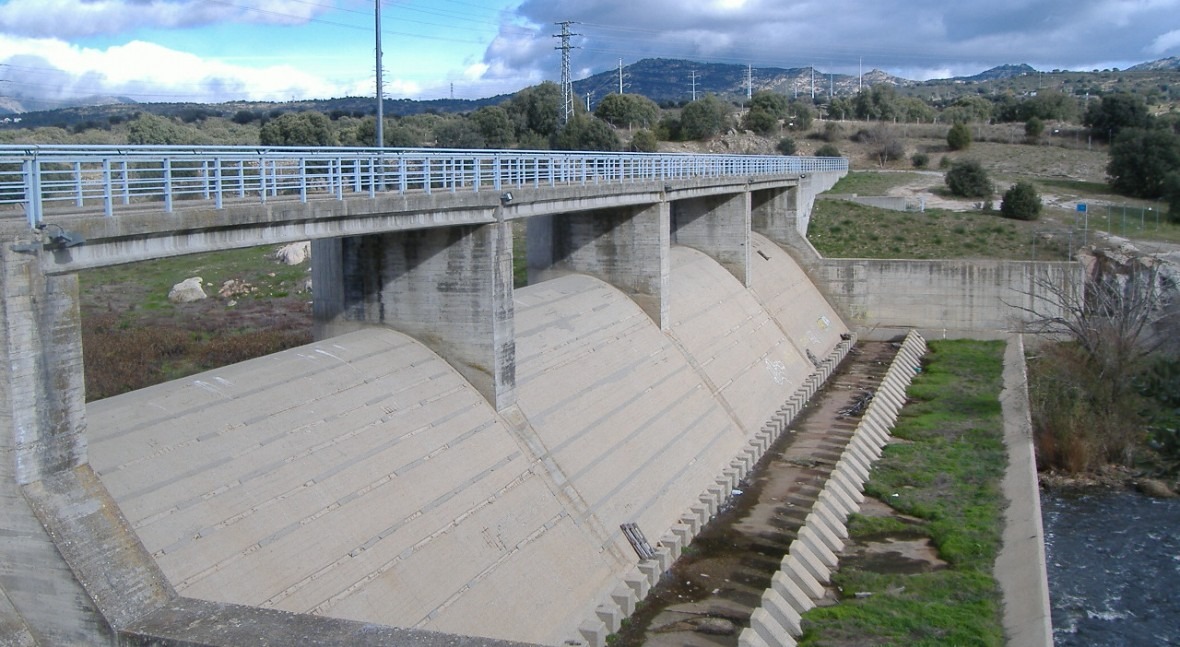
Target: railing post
[(33, 206), (167, 185), (205, 179), (217, 183), (497, 182), (79, 195), (107, 197), (126, 182), (302, 179)]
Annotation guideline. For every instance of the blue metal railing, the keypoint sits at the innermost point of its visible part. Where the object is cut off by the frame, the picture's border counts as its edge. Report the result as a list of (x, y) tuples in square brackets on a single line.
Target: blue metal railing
[(108, 179)]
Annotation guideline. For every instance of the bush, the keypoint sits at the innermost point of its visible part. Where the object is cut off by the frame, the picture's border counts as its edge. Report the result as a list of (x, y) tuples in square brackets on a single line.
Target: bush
[(1021, 202), (1033, 128), (644, 141), (920, 160), (958, 138), (968, 179), (827, 150), (786, 146), (1140, 160)]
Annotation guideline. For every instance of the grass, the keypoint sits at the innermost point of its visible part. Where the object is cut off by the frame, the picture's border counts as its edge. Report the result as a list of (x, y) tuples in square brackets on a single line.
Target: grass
[(841, 229), (871, 182), (947, 475)]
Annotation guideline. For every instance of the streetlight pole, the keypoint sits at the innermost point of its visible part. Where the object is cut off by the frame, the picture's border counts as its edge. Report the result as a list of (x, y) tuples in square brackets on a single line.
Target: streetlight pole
[(380, 86)]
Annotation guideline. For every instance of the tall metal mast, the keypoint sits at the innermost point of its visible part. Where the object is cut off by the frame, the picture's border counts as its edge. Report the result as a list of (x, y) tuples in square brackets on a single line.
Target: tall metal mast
[(380, 84), (567, 82)]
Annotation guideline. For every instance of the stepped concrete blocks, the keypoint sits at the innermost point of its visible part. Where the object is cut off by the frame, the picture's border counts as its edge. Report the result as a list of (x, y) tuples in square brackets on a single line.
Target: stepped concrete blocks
[(823, 531), (593, 632), (672, 542), (802, 577), (834, 503), (851, 489), (784, 615), (740, 467), (853, 468), (625, 597), (731, 478), (637, 581), (684, 535), (832, 516), (750, 638), (717, 495), (702, 515), (810, 562), (815, 544), (765, 626), (611, 616), (791, 593), (651, 570)]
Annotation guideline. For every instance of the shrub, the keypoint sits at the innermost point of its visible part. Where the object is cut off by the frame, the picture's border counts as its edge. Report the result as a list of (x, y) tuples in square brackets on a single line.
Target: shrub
[(920, 160), (644, 141), (968, 179), (958, 138), (827, 150), (786, 146), (1021, 202), (1033, 128)]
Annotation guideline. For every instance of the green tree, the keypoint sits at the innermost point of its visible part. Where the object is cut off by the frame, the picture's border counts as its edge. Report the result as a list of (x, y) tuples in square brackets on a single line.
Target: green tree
[(1021, 202), (1107, 118), (309, 128), (799, 116), (536, 110), (970, 108), (877, 103), (149, 129), (1140, 159), (760, 121), (627, 110), (459, 132), (771, 102), (703, 118), (958, 138), (586, 133), (786, 146), (644, 141), (968, 179), (1172, 195), (494, 125)]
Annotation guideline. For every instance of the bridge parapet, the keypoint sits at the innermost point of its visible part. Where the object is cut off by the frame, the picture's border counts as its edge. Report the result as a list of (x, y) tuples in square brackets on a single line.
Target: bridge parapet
[(108, 180)]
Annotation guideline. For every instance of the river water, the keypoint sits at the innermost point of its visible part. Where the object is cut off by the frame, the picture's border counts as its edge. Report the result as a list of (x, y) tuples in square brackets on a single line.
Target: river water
[(1114, 568)]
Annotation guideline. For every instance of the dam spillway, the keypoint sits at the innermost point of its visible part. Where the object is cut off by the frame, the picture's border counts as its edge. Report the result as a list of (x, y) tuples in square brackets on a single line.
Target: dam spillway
[(361, 477)]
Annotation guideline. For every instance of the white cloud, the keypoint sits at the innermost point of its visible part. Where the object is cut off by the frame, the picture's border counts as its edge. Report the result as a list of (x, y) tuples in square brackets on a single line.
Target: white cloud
[(146, 72), (77, 18), (1164, 42)]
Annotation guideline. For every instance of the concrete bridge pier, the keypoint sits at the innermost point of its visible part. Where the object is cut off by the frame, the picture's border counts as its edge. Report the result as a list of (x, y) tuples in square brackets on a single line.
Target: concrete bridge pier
[(774, 213), (449, 287), (626, 247), (718, 225)]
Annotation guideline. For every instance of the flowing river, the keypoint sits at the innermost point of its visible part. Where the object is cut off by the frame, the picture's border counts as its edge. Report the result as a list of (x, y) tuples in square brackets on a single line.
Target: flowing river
[(1114, 568)]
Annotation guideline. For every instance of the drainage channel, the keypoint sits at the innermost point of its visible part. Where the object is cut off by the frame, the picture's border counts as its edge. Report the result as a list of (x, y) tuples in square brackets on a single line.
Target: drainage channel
[(710, 593)]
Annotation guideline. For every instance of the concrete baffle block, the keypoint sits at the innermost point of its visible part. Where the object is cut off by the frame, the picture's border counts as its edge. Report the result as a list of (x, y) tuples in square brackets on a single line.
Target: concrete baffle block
[(769, 630), (802, 577)]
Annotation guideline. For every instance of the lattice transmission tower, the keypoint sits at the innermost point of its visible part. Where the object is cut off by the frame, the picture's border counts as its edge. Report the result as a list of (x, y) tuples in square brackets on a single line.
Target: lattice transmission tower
[(567, 81)]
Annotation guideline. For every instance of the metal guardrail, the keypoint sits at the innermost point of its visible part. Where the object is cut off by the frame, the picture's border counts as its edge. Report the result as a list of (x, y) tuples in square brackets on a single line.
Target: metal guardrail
[(108, 179)]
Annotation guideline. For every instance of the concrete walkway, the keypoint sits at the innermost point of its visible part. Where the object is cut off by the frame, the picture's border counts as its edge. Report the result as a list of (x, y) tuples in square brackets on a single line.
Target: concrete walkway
[(1020, 566)]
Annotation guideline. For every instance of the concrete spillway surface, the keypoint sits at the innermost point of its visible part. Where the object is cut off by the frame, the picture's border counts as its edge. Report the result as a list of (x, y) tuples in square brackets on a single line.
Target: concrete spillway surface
[(361, 477)]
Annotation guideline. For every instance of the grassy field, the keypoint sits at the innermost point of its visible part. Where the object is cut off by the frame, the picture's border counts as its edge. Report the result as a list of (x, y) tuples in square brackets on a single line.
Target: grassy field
[(944, 475)]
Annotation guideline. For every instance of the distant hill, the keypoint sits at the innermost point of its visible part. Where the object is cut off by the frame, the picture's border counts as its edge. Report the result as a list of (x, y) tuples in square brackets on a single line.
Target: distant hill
[(1172, 63), (665, 81), (1001, 72)]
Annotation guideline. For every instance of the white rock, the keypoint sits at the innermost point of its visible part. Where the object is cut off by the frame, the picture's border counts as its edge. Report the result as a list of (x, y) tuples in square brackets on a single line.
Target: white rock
[(293, 254), (187, 291)]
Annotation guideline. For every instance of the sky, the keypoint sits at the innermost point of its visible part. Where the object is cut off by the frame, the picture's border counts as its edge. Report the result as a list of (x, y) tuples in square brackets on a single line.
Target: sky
[(277, 50)]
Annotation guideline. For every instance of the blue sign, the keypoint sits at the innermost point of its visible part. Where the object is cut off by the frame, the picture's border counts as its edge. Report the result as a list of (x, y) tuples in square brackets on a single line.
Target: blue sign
[(1081, 207)]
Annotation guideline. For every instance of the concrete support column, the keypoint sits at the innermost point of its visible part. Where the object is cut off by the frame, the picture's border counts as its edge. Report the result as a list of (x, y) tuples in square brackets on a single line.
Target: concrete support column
[(449, 287), (718, 226), (42, 421), (626, 247), (773, 213)]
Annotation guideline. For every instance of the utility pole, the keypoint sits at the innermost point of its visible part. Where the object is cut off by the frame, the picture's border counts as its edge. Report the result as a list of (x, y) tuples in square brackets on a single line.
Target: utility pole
[(620, 77), (749, 82), (587, 102), (380, 84), (567, 82), (813, 84), (694, 85)]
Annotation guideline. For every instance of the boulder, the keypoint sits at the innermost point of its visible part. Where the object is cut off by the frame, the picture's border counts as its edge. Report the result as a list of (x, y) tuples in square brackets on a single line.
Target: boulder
[(293, 254), (187, 291)]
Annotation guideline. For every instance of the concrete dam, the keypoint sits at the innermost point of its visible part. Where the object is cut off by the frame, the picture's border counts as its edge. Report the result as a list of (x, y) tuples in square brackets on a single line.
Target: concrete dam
[(454, 461)]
